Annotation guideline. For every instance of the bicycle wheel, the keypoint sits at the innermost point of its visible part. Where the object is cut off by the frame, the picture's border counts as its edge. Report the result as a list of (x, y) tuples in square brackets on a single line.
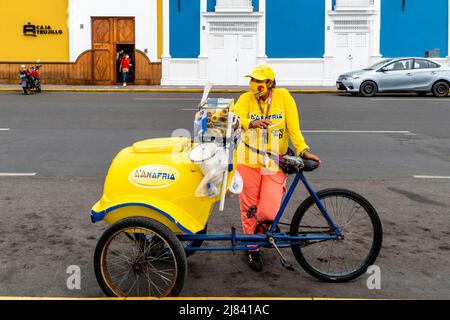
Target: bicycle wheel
[(196, 243), (349, 256), (154, 265)]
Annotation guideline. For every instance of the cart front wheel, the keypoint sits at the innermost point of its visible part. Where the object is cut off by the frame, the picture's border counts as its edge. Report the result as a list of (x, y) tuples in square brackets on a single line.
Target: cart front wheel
[(348, 256), (140, 257)]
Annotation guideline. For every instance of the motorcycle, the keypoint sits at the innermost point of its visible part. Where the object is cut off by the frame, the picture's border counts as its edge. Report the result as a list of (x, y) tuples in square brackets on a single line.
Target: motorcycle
[(29, 79)]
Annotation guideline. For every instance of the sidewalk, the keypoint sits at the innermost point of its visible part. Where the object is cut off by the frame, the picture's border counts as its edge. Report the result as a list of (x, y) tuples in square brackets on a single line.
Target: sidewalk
[(169, 89)]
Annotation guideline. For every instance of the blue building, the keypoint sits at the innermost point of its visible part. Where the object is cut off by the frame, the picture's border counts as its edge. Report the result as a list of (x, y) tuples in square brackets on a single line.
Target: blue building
[(308, 42)]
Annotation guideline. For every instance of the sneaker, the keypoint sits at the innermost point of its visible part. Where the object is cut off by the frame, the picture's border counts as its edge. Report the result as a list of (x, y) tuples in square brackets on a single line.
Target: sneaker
[(254, 260)]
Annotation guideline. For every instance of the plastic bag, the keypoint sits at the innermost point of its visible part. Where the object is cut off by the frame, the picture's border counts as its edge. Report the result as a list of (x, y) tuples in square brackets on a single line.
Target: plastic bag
[(213, 165), (236, 184)]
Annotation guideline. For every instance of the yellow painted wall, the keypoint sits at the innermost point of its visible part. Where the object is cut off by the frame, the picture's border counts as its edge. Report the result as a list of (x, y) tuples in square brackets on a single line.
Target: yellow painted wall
[(15, 47), (160, 28)]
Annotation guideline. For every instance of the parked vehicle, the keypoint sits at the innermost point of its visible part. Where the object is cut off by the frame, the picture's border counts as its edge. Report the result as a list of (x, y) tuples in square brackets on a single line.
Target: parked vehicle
[(418, 75), (29, 78)]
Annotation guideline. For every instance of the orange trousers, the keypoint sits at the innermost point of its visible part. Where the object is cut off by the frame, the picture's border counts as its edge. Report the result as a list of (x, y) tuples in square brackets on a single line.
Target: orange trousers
[(264, 190)]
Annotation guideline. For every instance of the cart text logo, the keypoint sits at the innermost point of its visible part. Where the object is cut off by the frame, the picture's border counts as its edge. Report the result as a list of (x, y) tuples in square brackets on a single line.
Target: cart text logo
[(153, 176)]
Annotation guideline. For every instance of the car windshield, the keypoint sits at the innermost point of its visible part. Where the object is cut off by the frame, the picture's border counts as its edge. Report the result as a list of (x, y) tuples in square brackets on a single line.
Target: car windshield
[(378, 64)]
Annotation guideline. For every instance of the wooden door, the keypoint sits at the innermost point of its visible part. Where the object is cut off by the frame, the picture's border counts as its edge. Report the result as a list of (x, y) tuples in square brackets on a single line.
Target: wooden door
[(103, 50), (106, 34), (124, 30)]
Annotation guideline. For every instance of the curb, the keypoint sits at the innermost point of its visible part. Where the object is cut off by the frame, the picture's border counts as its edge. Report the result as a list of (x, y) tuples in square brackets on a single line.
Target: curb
[(166, 90), (182, 298)]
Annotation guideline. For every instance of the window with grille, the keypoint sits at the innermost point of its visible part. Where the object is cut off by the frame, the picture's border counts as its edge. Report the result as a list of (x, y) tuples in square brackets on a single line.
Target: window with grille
[(241, 27), (351, 26)]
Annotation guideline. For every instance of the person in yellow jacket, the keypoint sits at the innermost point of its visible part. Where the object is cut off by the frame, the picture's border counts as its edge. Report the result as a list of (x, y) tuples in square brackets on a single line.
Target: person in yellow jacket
[(269, 118)]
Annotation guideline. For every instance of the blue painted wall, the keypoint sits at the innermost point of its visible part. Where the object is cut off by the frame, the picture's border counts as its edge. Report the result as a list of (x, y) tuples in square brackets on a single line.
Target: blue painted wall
[(184, 28), (212, 3), (295, 28), (421, 26)]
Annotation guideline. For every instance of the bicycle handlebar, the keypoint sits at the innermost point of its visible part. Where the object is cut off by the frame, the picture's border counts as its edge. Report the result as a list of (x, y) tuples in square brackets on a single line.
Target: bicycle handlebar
[(300, 163)]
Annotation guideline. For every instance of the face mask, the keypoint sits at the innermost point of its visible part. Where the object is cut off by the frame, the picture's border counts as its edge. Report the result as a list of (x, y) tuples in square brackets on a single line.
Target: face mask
[(258, 89)]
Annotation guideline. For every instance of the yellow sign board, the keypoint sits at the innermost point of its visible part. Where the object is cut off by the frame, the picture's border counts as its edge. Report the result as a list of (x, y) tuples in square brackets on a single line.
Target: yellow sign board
[(33, 30)]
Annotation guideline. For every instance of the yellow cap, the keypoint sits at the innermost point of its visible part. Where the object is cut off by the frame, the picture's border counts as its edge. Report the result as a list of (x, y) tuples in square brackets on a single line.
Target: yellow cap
[(262, 72)]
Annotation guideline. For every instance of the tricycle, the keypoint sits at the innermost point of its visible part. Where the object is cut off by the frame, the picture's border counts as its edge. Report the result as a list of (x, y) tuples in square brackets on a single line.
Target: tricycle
[(159, 194)]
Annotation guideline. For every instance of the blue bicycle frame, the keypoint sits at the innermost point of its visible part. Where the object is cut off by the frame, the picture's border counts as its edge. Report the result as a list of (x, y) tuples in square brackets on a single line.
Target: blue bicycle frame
[(241, 242)]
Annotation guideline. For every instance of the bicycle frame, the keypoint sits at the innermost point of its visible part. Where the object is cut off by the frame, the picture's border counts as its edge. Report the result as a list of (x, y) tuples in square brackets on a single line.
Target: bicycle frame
[(240, 242)]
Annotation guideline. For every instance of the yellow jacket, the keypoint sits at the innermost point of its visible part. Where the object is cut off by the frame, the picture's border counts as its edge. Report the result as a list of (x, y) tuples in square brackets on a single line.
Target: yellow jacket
[(285, 124)]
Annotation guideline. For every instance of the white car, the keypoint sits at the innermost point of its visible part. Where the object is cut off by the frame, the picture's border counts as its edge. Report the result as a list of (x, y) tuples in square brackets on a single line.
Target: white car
[(398, 75)]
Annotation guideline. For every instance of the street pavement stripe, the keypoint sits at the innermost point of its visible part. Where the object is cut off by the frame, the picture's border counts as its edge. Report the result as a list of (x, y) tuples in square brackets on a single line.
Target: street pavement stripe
[(4, 129), (356, 131), (167, 99), (409, 99), (177, 298), (432, 177), (11, 174)]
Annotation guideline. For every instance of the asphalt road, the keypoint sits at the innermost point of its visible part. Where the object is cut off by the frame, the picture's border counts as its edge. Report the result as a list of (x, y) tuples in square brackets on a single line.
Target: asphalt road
[(395, 150)]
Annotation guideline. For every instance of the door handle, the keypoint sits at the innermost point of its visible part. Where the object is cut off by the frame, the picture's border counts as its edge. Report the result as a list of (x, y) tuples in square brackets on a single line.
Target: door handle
[(409, 74)]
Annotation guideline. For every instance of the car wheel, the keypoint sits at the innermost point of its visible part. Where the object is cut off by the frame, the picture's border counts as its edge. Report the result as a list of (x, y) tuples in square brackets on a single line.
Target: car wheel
[(440, 89), (368, 89)]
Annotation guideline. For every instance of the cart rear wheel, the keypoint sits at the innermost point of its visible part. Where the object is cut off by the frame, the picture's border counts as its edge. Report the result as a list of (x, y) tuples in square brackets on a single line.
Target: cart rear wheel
[(347, 257), (150, 265)]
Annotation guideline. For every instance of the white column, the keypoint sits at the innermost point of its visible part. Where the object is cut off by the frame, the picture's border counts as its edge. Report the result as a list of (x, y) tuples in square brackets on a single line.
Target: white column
[(328, 29), (203, 57), (262, 57), (71, 28), (166, 43), (376, 29), (152, 50), (80, 39), (166, 31), (203, 26), (448, 36), (328, 57)]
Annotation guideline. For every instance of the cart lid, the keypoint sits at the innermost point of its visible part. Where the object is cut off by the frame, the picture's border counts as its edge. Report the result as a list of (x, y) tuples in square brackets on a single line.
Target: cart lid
[(162, 145)]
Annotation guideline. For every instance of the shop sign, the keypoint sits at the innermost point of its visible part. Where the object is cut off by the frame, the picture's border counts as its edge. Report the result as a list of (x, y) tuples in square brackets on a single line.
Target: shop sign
[(38, 30)]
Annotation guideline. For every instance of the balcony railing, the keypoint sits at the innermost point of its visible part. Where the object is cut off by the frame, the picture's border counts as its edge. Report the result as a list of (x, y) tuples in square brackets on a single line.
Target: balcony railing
[(234, 6), (348, 4)]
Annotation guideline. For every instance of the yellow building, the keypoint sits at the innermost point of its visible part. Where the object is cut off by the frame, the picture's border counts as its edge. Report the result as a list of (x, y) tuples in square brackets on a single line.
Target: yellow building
[(31, 31), (81, 41)]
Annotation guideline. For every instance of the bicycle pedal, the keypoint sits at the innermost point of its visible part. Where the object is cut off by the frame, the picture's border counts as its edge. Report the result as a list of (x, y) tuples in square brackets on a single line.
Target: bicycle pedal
[(287, 265)]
